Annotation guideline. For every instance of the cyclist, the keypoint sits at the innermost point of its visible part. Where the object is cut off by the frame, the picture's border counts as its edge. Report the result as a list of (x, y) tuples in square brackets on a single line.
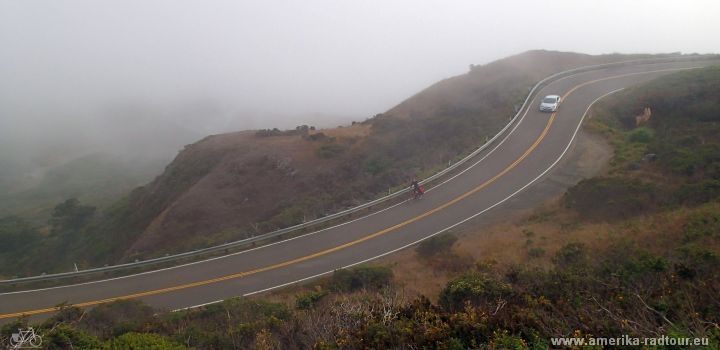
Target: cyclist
[(416, 188)]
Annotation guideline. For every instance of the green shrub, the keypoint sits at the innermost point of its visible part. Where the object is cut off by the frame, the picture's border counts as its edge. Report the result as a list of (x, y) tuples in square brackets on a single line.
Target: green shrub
[(377, 164), (475, 288), (363, 277), (536, 252), (246, 310), (699, 258), (117, 317), (70, 215), (704, 222), (7, 329), (503, 340), (288, 216), (208, 327), (641, 135), (64, 336), (436, 244), (680, 160), (453, 344), (571, 254), (309, 299), (698, 193)]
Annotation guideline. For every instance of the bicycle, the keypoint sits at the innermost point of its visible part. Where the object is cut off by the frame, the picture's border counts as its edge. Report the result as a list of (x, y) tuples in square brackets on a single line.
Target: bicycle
[(417, 193), (23, 338)]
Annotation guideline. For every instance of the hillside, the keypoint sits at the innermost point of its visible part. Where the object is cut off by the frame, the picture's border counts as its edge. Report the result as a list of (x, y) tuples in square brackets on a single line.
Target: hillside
[(630, 253), (252, 184), (230, 186)]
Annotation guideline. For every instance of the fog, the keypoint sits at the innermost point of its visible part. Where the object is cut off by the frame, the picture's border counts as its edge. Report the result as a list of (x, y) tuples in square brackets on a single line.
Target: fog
[(133, 76)]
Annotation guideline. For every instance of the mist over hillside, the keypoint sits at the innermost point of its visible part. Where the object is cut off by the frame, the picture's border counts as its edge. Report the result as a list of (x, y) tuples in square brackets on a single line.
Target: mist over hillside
[(132, 140), (133, 129)]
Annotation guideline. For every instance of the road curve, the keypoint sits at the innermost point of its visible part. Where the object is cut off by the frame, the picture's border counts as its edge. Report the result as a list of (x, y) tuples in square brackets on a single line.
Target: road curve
[(527, 153)]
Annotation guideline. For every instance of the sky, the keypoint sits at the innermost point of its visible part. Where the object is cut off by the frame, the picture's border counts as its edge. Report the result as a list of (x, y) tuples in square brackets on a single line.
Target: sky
[(109, 71)]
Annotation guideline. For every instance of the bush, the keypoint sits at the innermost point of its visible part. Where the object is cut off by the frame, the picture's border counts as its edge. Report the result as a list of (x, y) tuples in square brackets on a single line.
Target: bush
[(680, 160), (436, 245), (117, 317), (63, 336), (536, 252), (70, 215), (571, 254), (234, 323), (308, 300), (641, 135), (704, 222), (698, 193), (364, 277), (377, 164), (246, 310), (503, 340), (476, 289), (269, 132), (11, 327)]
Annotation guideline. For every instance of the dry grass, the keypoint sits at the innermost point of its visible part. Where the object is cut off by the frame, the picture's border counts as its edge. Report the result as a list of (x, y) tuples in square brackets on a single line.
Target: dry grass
[(354, 131), (414, 276), (548, 229)]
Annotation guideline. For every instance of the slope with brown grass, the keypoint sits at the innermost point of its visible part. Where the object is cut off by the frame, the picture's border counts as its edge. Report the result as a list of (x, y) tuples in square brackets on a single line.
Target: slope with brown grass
[(231, 186)]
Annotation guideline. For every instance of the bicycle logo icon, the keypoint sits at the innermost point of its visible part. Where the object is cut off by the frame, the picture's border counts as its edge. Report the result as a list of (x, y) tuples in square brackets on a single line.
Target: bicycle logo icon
[(25, 339)]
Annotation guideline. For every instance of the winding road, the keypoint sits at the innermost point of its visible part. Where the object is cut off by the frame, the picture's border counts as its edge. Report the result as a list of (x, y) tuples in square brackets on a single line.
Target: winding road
[(527, 153)]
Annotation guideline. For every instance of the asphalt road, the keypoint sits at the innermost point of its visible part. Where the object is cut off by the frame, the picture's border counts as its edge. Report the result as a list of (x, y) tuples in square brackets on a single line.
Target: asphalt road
[(528, 153)]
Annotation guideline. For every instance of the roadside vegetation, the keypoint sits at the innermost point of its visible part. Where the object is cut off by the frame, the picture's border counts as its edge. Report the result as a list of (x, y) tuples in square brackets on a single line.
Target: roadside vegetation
[(670, 161), (633, 252)]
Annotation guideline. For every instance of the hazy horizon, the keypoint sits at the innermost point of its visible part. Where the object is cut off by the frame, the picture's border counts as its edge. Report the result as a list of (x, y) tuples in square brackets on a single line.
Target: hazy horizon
[(128, 75)]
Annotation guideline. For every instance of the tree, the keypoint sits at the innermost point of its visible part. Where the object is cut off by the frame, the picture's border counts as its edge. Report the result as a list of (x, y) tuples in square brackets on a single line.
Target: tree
[(70, 215)]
